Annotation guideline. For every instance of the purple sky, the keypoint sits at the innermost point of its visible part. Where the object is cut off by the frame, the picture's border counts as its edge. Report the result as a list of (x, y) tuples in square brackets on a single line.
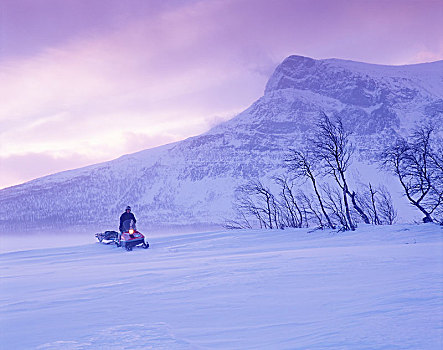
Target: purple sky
[(84, 81)]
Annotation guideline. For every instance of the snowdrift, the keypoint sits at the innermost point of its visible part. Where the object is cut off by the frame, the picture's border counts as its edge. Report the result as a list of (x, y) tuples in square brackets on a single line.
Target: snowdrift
[(376, 288)]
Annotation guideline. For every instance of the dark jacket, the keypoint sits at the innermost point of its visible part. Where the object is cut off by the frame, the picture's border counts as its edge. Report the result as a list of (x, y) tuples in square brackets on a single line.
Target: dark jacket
[(126, 216)]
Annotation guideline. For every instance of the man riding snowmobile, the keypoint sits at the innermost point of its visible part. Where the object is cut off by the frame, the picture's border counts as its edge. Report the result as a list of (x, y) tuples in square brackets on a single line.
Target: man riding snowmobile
[(127, 215)]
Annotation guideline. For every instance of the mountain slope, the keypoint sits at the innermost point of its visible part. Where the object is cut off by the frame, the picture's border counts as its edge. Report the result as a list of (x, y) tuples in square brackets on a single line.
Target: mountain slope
[(192, 181)]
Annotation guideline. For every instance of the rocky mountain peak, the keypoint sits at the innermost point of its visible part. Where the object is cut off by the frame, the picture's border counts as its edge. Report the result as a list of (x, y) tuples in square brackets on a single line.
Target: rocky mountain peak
[(357, 84)]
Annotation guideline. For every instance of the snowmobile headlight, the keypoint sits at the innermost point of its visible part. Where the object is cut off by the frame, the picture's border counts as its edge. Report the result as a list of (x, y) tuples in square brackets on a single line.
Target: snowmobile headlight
[(131, 232)]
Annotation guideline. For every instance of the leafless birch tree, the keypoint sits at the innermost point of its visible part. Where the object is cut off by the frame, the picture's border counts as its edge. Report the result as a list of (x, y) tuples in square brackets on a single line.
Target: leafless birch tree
[(418, 165)]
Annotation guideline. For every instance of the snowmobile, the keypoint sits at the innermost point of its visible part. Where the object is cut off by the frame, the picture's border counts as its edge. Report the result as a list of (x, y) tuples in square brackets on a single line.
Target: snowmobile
[(129, 238)]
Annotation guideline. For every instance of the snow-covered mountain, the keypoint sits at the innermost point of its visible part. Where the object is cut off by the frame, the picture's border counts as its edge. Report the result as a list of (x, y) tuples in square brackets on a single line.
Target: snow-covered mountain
[(193, 181)]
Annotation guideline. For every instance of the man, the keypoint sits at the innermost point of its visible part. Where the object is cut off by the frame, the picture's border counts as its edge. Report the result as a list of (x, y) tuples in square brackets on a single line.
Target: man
[(127, 215)]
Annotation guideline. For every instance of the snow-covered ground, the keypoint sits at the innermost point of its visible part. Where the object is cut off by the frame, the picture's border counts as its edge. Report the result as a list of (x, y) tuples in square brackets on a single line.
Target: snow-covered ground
[(377, 288)]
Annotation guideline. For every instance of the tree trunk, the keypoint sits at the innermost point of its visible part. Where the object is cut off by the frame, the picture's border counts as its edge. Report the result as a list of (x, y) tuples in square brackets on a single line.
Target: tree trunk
[(376, 219), (331, 225), (269, 212), (359, 210), (427, 217), (348, 213)]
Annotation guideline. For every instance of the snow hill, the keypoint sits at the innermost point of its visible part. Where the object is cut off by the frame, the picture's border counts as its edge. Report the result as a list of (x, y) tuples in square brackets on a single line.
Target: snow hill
[(377, 288), (193, 181)]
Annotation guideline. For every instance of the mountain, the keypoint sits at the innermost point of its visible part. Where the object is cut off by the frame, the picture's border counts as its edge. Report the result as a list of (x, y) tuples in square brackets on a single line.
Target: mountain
[(192, 182)]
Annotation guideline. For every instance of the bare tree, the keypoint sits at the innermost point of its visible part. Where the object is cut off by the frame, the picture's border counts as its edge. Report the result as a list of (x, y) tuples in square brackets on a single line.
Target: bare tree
[(301, 165), (377, 202), (240, 222), (311, 210), (334, 150), (418, 165), (368, 201), (388, 214), (291, 209), (256, 200), (373, 192), (255, 205), (245, 209), (334, 204)]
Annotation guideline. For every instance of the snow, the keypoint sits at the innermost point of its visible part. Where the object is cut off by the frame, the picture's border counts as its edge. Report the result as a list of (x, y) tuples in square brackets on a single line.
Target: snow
[(376, 288)]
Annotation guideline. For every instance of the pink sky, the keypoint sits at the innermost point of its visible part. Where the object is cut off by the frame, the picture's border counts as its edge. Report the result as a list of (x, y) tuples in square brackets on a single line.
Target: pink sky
[(84, 81)]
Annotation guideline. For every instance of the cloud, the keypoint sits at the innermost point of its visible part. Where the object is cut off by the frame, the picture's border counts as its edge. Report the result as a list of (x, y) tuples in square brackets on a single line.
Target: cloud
[(155, 76), (136, 141), (25, 167), (160, 71)]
